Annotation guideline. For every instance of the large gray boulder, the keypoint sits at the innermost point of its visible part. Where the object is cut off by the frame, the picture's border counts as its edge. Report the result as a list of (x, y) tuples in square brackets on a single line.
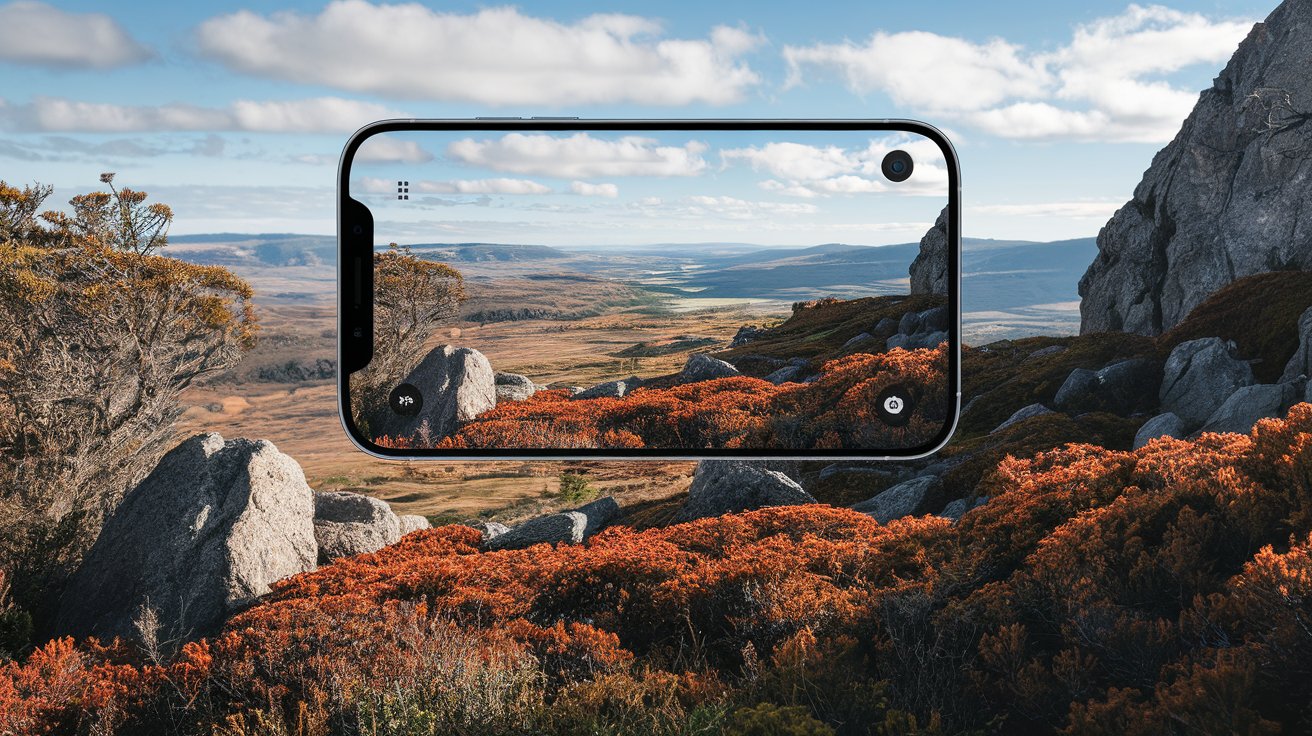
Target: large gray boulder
[(514, 387), (786, 374), (958, 508), (1028, 412), (730, 486), (1231, 196), (205, 534), (412, 523), (568, 527), (348, 524), (488, 529), (610, 389), (1124, 388), (1301, 363), (904, 499), (564, 528), (929, 271), (1199, 375), (1250, 403), (1162, 425), (702, 367), (917, 341), (457, 384)]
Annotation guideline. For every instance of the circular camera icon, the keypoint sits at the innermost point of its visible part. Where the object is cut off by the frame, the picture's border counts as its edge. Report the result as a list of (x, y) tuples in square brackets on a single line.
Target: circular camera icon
[(894, 405), (406, 400)]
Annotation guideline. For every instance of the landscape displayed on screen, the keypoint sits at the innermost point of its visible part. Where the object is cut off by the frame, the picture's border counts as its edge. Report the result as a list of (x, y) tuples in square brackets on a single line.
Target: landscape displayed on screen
[(653, 290)]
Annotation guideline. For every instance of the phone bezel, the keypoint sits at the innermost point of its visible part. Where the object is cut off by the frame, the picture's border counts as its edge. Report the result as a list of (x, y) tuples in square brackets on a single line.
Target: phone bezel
[(356, 320)]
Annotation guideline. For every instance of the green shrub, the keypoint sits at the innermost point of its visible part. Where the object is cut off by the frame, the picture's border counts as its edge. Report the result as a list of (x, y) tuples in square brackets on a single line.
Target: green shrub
[(575, 489), (768, 719)]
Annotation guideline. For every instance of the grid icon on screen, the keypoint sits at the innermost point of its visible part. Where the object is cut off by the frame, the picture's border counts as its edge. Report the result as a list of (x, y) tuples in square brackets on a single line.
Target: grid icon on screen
[(402, 189)]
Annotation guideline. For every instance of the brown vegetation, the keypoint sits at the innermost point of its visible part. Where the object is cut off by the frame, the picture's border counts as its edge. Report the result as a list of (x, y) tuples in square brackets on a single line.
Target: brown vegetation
[(99, 336), (1158, 591)]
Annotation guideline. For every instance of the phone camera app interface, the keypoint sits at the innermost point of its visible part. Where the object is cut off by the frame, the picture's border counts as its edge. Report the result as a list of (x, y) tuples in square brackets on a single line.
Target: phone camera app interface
[(713, 291)]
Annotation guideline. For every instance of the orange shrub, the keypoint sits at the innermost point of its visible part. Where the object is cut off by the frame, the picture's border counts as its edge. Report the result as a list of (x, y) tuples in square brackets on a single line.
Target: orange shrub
[(1165, 590), (835, 411)]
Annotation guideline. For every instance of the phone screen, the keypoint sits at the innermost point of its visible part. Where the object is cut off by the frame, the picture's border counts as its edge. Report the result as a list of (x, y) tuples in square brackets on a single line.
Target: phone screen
[(583, 288)]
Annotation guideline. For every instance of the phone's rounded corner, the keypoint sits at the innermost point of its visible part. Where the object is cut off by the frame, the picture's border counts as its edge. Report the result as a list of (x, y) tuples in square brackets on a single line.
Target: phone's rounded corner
[(361, 443), (357, 139)]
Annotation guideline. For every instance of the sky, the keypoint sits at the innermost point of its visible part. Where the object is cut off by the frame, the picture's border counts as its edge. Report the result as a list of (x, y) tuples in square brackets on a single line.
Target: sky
[(236, 116), (601, 188)]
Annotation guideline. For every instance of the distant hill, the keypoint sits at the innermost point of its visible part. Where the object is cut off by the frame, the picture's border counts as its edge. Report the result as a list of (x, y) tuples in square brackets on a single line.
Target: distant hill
[(252, 250), (484, 252), (1009, 287)]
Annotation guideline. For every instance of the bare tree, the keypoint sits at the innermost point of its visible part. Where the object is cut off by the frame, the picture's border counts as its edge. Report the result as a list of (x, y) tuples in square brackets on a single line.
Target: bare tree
[(413, 297), (99, 336)]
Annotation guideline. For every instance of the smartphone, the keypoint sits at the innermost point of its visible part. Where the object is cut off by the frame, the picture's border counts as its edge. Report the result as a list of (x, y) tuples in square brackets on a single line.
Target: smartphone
[(567, 288)]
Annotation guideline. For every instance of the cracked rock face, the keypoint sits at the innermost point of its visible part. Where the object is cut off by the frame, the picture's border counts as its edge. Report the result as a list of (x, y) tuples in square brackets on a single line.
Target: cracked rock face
[(929, 271), (1231, 196)]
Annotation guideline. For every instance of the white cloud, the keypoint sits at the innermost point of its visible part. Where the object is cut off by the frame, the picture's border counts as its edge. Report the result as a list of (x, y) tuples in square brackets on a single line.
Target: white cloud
[(37, 33), (385, 149), (580, 156), (807, 171), (455, 186), (1111, 82), (1080, 210), (588, 189), (314, 115), (496, 56)]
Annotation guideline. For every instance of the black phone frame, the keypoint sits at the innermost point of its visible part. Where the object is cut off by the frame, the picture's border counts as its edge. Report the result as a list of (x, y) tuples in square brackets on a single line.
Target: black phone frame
[(355, 249)]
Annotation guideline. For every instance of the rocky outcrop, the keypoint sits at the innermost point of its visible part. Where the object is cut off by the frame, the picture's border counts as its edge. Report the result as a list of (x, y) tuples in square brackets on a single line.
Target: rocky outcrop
[(488, 529), (1199, 375), (1125, 388), (918, 341), (729, 486), (918, 330), (412, 523), (568, 527), (457, 384), (1033, 410), (929, 271), (1231, 196), (205, 534), (958, 508), (514, 387), (702, 367), (1162, 425), (1301, 363), (788, 373), (347, 524), (1248, 404), (610, 389), (904, 499), (746, 334)]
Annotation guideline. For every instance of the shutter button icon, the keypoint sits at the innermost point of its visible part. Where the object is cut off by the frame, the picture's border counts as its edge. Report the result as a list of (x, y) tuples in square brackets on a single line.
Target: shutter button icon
[(894, 405)]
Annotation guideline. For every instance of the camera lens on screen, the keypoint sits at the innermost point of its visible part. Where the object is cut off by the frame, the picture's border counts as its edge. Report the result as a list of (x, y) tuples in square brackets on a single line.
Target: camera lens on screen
[(898, 166)]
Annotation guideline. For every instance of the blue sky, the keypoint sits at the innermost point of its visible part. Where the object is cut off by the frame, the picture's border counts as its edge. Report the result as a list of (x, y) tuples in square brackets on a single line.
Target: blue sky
[(236, 116)]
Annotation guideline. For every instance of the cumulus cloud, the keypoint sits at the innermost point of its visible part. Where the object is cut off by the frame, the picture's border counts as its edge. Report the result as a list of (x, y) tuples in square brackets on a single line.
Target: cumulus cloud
[(580, 156), (803, 170), (496, 56), (39, 34), (455, 186), (588, 189), (1111, 82), (314, 115), (385, 149)]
